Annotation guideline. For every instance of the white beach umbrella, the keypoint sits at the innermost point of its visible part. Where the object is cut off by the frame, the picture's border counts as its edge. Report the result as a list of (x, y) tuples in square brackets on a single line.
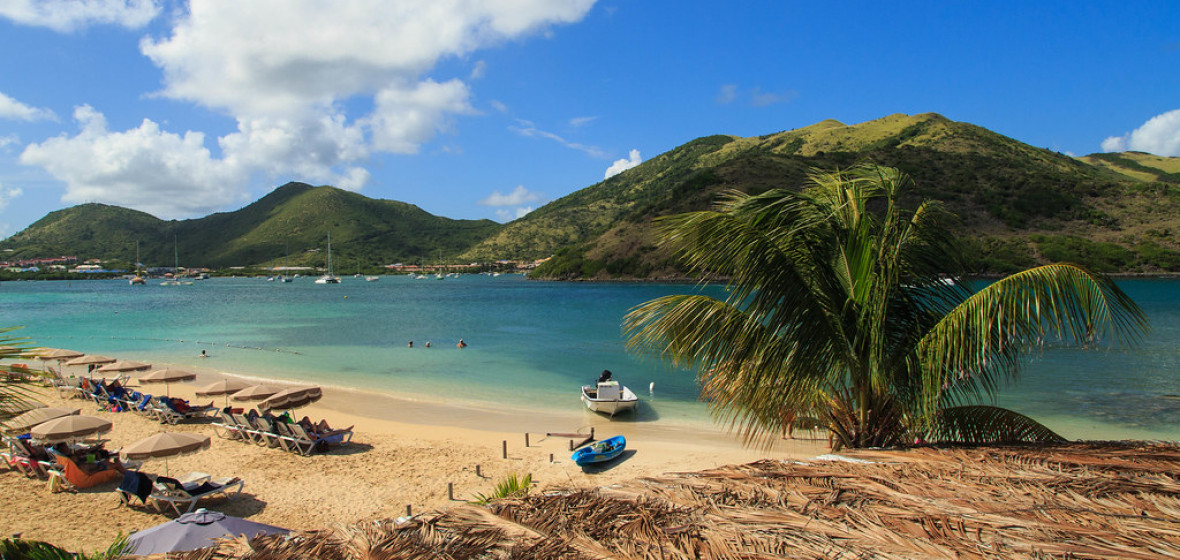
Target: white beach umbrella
[(167, 376), (23, 422), (70, 428), (291, 398), (255, 393), (123, 366), (164, 445), (223, 387)]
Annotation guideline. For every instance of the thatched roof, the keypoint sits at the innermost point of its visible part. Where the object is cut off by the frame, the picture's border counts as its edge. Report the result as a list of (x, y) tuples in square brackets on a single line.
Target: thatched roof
[(1069, 501)]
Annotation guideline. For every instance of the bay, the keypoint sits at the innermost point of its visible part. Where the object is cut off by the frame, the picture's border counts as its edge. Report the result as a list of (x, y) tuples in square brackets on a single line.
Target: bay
[(531, 344)]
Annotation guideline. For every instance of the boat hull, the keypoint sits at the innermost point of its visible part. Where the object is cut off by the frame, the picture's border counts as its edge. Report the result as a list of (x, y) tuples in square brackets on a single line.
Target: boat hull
[(626, 401), (600, 451)]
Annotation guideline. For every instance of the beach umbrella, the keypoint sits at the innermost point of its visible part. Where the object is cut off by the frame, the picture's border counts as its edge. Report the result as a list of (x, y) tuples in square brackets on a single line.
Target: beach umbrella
[(223, 387), (195, 530), (168, 375), (255, 393), (91, 360), (164, 445), (22, 423), (70, 428), (58, 355), (291, 398), (123, 366)]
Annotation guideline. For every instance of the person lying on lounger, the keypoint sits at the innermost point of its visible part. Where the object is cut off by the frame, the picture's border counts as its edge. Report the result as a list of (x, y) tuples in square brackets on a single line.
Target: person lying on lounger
[(320, 428)]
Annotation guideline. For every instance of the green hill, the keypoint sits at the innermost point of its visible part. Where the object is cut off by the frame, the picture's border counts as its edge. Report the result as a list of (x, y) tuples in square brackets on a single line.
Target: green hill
[(296, 217), (1018, 204)]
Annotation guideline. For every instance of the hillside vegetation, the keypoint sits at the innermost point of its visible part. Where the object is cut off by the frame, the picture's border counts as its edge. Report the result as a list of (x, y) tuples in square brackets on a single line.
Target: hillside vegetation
[(296, 217), (1019, 205)]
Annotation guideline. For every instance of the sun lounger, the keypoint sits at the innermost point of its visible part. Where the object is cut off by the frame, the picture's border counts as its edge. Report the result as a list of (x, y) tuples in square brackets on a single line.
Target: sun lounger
[(227, 427), (177, 493), (22, 457), (299, 440), (67, 475)]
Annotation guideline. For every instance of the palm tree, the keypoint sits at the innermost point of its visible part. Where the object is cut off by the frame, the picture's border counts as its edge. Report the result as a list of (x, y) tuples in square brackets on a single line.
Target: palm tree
[(839, 307), (15, 394)]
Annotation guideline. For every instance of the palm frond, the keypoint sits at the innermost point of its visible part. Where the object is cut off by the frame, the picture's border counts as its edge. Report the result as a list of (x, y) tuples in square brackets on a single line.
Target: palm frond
[(976, 347), (989, 425)]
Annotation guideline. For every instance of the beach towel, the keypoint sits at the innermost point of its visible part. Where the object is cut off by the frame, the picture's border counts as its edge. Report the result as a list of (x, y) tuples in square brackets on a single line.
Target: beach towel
[(136, 483)]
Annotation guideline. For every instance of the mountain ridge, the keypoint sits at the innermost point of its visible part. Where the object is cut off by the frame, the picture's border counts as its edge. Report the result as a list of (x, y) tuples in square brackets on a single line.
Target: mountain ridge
[(1019, 205)]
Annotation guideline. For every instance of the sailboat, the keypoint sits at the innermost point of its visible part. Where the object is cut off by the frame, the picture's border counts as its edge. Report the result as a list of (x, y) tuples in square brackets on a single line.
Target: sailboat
[(286, 265), (137, 280), (328, 278), (175, 281)]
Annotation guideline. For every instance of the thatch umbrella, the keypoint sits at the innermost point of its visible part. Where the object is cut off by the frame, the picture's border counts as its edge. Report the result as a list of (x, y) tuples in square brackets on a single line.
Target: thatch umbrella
[(223, 387), (291, 398), (70, 428), (22, 423), (167, 376), (164, 445)]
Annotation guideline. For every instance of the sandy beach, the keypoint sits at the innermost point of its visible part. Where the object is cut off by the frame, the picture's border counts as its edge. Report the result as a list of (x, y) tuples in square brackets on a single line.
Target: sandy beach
[(403, 455)]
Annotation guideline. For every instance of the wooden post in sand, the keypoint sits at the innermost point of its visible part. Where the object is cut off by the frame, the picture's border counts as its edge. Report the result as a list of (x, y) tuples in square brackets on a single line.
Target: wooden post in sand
[(451, 491), (505, 447), (477, 473), (408, 514), (526, 439)]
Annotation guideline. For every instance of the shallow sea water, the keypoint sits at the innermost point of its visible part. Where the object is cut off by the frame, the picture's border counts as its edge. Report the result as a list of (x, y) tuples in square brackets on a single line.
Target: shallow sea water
[(531, 344)]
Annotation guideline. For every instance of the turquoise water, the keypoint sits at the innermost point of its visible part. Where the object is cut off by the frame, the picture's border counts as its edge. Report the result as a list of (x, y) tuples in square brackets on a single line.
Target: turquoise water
[(531, 344)]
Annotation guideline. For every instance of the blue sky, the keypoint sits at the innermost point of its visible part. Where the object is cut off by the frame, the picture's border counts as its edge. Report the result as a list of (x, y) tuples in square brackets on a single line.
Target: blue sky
[(489, 109)]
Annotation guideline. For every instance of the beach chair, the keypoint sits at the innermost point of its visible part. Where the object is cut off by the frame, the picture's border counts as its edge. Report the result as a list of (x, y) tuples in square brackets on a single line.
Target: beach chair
[(22, 457), (67, 475), (226, 427), (300, 440), (187, 492), (167, 412), (249, 434), (267, 431)]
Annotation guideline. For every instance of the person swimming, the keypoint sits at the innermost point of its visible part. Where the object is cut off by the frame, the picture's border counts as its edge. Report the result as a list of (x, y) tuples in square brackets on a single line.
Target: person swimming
[(461, 344)]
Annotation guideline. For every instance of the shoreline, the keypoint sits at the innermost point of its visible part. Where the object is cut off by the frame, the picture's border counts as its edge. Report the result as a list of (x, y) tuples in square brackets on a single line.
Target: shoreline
[(403, 455)]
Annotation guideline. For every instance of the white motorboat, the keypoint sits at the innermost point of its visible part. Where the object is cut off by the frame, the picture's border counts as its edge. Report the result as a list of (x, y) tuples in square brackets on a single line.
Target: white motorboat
[(609, 397)]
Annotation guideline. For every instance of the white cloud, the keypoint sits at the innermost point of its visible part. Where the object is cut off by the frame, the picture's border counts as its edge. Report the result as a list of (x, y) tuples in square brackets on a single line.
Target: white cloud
[(526, 128), (7, 194), (161, 173), (727, 94), (509, 215), (621, 165), (403, 119), (730, 93), (759, 98), (284, 56), (9, 140), (13, 109), (287, 71), (1160, 136), (478, 70), (69, 15), (582, 121), (517, 197)]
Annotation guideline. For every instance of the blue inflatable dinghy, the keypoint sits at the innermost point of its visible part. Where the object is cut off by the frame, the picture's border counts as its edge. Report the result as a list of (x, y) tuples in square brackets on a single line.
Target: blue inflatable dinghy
[(600, 451)]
